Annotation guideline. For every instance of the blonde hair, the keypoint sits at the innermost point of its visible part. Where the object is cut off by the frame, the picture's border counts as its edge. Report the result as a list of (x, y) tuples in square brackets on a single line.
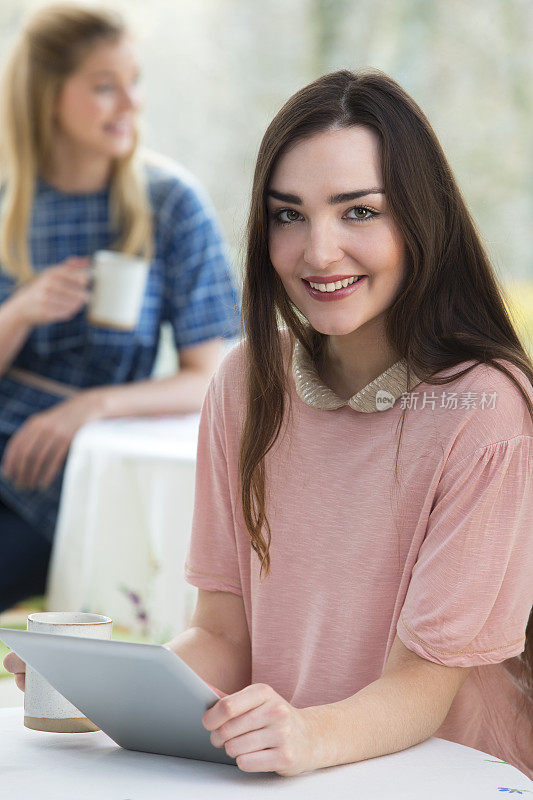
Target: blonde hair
[(50, 47)]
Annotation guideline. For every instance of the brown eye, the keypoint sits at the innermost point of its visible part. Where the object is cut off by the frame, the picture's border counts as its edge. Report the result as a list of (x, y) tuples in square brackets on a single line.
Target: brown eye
[(361, 213), (292, 215), (286, 215)]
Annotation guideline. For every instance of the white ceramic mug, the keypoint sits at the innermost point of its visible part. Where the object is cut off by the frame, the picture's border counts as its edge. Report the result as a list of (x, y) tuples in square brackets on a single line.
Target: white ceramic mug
[(45, 709), (117, 294)]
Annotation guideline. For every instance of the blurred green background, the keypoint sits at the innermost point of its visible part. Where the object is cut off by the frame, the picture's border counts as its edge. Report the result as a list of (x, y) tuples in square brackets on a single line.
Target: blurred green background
[(520, 304)]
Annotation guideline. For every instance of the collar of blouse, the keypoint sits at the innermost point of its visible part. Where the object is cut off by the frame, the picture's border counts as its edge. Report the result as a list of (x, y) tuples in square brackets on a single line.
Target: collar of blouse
[(314, 392)]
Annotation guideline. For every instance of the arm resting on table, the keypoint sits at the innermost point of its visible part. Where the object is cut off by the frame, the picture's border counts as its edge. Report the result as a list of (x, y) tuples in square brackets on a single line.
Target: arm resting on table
[(217, 643), (182, 393), (405, 706), (220, 662)]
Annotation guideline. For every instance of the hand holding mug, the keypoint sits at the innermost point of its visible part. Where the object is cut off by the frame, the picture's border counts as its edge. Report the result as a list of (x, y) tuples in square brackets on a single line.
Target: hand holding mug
[(118, 290), (56, 294), (45, 709), (14, 664)]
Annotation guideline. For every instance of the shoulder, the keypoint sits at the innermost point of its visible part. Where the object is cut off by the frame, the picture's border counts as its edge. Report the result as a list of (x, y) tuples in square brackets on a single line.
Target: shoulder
[(484, 407), (496, 391), (225, 401), (172, 188), (229, 382), (500, 381)]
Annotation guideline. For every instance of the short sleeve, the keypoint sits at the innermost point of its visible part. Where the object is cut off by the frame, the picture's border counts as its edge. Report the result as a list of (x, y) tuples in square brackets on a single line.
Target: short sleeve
[(471, 588), (212, 559), (200, 296)]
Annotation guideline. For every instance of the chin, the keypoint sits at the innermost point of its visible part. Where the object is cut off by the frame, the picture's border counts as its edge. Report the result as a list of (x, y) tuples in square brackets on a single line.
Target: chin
[(122, 151), (117, 148), (332, 328)]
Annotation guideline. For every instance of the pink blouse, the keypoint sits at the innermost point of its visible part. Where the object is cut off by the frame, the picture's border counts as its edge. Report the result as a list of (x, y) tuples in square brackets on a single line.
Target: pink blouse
[(443, 558)]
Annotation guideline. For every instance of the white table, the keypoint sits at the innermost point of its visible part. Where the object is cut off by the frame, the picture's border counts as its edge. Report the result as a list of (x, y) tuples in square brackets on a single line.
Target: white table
[(85, 766), (124, 524)]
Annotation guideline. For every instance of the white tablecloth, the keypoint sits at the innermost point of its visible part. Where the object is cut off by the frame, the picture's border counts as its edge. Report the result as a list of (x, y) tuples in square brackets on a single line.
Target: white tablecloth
[(124, 524), (85, 766)]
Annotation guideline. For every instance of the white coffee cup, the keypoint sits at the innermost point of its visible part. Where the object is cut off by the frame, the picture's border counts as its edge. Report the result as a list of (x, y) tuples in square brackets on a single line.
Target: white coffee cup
[(45, 709), (119, 284)]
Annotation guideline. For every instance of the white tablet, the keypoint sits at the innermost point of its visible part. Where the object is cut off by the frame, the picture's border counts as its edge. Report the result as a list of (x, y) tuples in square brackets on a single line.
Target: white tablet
[(143, 696)]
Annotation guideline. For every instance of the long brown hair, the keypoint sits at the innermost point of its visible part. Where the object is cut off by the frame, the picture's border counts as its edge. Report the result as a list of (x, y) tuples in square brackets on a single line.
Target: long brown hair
[(449, 309)]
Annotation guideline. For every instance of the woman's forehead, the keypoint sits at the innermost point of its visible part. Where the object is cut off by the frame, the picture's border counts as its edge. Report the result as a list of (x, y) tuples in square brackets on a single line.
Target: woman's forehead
[(110, 56), (330, 162)]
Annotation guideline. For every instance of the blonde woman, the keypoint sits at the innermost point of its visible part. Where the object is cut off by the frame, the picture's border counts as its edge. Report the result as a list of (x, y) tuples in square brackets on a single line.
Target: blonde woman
[(73, 183)]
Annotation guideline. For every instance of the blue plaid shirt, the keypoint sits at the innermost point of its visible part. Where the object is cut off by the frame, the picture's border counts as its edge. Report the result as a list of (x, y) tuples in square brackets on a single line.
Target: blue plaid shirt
[(189, 286)]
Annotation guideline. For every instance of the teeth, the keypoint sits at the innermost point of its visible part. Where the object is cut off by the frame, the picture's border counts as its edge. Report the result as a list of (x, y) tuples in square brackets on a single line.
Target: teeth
[(332, 287), (118, 127)]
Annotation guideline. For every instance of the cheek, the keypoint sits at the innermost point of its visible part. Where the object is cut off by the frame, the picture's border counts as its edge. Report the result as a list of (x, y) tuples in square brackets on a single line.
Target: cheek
[(394, 247), (94, 109), (384, 251), (80, 112), (393, 254), (138, 99), (284, 248)]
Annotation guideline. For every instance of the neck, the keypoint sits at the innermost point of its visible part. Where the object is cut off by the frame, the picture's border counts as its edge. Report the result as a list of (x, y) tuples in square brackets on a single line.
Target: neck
[(74, 169), (352, 361)]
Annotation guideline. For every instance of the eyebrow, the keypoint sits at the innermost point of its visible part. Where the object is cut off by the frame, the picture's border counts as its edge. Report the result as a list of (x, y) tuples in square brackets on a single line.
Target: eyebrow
[(333, 200), (101, 72)]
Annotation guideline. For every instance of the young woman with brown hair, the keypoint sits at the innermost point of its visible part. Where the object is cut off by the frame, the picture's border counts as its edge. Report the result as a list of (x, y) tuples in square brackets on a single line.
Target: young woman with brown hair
[(362, 531)]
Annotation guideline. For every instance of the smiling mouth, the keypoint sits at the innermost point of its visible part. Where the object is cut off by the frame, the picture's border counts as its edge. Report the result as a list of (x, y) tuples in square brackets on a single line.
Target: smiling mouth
[(118, 127), (332, 286)]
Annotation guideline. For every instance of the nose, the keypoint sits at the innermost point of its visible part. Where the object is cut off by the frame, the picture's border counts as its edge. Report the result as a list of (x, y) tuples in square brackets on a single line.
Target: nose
[(130, 99), (322, 247)]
